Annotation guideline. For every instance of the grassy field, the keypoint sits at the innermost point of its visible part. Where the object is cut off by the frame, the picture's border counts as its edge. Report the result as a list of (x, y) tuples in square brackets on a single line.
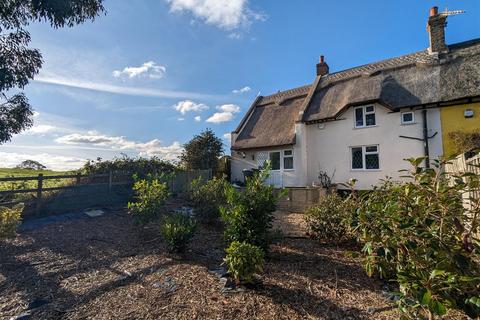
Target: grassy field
[(13, 172)]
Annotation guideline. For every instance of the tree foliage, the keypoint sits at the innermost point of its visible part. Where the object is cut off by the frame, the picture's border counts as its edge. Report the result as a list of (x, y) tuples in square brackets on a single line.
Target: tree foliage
[(141, 167), (465, 141), (202, 152), (31, 165), (18, 62)]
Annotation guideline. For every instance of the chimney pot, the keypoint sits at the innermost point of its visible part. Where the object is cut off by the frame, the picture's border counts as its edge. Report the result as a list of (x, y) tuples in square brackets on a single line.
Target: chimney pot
[(433, 11), (322, 67)]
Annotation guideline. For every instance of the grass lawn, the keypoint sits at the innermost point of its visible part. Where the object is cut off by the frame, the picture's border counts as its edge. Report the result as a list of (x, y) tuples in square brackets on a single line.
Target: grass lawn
[(105, 268), (13, 172)]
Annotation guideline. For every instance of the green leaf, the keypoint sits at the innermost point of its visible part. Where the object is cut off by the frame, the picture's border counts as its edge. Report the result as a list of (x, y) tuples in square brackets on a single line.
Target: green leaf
[(436, 272), (474, 301), (427, 296), (438, 308)]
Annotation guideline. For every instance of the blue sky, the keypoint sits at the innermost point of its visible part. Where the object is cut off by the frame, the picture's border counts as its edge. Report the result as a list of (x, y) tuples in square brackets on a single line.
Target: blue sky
[(147, 76)]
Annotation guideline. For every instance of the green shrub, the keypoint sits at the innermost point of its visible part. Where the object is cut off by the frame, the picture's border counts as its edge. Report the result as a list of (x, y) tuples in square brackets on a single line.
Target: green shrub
[(329, 220), (10, 219), (129, 166), (150, 195), (417, 234), (249, 213), (243, 260), (207, 198), (177, 230)]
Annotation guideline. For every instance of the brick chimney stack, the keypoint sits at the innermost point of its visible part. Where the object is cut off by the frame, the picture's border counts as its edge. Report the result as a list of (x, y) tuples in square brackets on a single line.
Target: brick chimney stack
[(322, 67), (436, 31)]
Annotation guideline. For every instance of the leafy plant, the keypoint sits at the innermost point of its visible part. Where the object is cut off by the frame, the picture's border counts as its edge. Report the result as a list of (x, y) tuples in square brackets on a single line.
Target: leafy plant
[(249, 213), (177, 230), (202, 152), (243, 260), (141, 167), (417, 234), (330, 219), (150, 195), (208, 197), (10, 219)]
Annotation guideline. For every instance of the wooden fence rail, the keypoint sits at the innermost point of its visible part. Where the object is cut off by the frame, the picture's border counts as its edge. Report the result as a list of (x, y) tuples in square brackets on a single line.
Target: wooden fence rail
[(178, 183)]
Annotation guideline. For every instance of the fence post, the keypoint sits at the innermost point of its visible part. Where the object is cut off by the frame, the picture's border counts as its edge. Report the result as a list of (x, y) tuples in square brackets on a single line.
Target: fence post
[(110, 178), (39, 192), (78, 178)]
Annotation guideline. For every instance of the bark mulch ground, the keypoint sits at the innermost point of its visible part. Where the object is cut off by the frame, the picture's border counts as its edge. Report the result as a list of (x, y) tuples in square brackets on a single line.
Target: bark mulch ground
[(105, 268)]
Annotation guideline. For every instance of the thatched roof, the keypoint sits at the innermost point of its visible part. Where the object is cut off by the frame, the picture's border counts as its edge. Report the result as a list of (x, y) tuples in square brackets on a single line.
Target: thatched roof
[(270, 121), (417, 79)]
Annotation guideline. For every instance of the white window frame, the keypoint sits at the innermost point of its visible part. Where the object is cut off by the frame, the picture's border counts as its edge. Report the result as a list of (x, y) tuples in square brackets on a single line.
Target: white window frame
[(288, 156), (408, 122), (364, 158), (364, 116), (281, 158)]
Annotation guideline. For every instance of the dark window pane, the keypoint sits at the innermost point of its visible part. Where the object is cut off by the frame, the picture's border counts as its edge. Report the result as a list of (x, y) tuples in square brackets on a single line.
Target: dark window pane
[(370, 119), (407, 117), (369, 109), (359, 117), (357, 158), (371, 149), (288, 163), (371, 161), (275, 160), (287, 152)]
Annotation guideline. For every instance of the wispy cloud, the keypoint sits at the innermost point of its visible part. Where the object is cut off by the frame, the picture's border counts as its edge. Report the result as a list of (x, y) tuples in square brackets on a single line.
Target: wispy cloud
[(225, 114), (228, 15), (242, 90), (190, 106), (227, 136), (153, 147), (198, 118), (125, 90), (148, 69)]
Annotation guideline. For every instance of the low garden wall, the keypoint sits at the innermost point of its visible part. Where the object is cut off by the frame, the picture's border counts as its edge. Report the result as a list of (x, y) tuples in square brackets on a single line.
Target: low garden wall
[(299, 199)]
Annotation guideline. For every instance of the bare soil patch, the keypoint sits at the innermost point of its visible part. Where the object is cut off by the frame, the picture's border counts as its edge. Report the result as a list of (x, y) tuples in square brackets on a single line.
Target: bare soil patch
[(105, 268)]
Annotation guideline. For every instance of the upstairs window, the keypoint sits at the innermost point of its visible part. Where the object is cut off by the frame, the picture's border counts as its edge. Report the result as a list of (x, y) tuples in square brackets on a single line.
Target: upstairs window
[(364, 116), (288, 159), (365, 158), (408, 117)]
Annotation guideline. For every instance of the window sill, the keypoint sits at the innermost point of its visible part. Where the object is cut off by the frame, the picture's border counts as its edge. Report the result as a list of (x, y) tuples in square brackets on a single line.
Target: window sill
[(288, 170), (408, 123), (365, 170), (365, 127)]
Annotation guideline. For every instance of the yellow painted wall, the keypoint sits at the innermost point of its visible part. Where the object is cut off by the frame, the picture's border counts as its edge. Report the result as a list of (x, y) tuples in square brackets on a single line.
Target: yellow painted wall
[(453, 119)]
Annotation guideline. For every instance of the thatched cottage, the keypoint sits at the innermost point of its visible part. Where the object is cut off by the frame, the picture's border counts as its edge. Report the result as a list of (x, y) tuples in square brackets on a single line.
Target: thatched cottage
[(362, 122)]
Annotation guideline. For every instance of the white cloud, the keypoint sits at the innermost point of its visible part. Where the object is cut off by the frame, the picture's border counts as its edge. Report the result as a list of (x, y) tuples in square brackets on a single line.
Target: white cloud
[(51, 161), (188, 105), (150, 148), (226, 114), (134, 91), (227, 15), (198, 118), (219, 117), (232, 108), (180, 119), (227, 136), (242, 90), (40, 129), (148, 69)]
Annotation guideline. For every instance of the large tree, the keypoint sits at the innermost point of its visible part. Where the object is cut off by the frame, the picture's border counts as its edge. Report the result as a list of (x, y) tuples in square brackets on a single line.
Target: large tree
[(18, 62), (31, 165), (202, 152)]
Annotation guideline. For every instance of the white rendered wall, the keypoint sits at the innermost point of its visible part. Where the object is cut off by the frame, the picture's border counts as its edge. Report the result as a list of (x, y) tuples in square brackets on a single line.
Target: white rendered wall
[(329, 145)]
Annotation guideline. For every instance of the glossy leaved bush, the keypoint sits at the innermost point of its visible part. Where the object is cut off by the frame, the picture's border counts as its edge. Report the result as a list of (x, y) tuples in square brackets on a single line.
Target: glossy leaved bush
[(207, 198), (10, 219), (244, 260), (150, 196), (177, 231), (419, 234)]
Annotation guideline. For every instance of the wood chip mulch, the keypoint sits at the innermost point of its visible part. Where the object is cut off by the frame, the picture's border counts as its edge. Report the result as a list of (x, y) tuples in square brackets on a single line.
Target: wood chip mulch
[(106, 268)]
